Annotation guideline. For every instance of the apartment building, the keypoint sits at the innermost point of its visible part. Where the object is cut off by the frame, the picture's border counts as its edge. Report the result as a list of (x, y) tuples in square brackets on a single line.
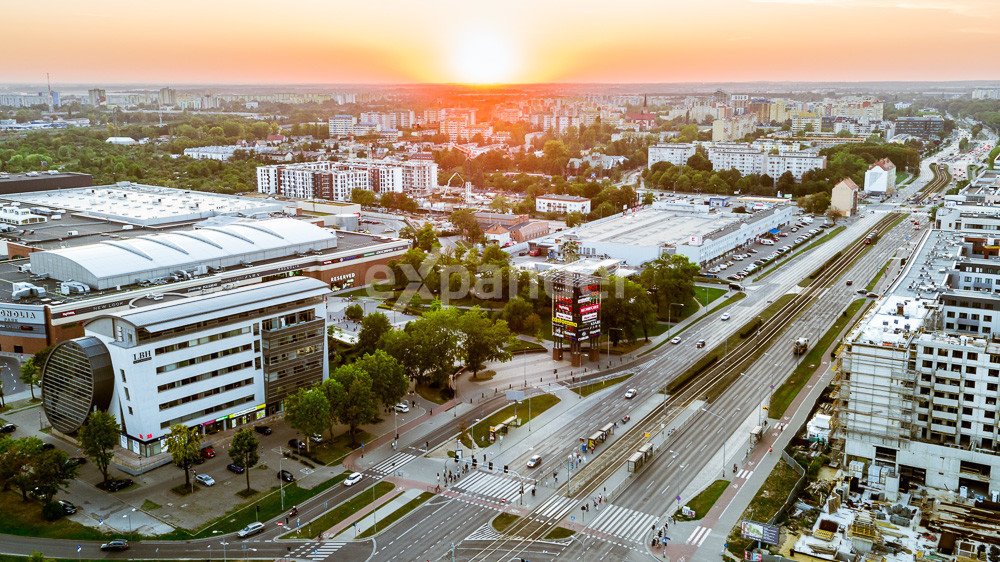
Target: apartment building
[(732, 129), (924, 127), (312, 180), (798, 163), (920, 375), (214, 362), (562, 204), (676, 154), (743, 158), (880, 179), (342, 125)]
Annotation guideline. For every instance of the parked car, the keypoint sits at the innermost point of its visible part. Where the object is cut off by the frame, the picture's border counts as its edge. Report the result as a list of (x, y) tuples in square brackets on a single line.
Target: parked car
[(8, 428), (235, 468), (297, 445), (402, 407), (115, 545), (250, 530), (208, 452), (316, 438), (67, 507), (115, 484), (263, 429), (353, 479), (48, 446), (76, 461), (534, 461), (205, 479), (286, 476), (630, 393)]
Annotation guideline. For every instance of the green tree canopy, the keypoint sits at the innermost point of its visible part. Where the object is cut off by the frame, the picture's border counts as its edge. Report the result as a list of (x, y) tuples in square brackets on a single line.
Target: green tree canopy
[(184, 444), (98, 438), (245, 451)]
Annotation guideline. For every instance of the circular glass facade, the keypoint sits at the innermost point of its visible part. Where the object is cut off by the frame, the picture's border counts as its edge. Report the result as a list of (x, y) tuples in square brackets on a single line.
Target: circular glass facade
[(76, 378)]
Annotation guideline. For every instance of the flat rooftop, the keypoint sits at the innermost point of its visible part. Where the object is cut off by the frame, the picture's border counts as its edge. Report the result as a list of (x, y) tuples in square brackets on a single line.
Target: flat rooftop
[(7, 177), (146, 205), (657, 227)]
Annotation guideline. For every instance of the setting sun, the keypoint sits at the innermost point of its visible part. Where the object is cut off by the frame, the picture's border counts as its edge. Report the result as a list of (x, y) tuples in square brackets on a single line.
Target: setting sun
[(484, 59)]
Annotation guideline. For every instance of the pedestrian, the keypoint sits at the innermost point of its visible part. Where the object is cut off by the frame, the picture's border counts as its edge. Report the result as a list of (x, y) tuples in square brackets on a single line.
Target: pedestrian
[(286, 521)]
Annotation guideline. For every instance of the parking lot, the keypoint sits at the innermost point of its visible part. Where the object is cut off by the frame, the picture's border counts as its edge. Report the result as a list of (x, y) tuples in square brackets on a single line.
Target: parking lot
[(749, 260)]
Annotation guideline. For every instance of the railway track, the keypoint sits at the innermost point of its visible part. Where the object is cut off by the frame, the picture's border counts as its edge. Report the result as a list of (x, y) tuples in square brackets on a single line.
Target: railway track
[(941, 179), (590, 477)]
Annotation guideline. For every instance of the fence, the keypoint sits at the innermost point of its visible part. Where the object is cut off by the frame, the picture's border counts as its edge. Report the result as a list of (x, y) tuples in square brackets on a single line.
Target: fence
[(796, 489)]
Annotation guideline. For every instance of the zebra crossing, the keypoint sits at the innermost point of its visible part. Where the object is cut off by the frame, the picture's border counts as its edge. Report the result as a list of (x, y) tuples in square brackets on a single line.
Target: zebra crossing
[(698, 535), (490, 486), (623, 522), (555, 507), (317, 550), (393, 463), (484, 533), (744, 474)]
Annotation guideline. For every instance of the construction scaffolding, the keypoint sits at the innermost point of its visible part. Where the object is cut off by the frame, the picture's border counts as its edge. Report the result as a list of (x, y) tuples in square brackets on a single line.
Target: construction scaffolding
[(576, 315)]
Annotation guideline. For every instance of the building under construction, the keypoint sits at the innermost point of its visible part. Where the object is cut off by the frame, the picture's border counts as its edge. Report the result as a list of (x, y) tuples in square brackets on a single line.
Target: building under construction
[(576, 315)]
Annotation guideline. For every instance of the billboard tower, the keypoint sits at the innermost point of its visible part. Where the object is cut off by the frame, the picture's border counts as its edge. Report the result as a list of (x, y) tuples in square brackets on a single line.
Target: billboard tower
[(576, 316)]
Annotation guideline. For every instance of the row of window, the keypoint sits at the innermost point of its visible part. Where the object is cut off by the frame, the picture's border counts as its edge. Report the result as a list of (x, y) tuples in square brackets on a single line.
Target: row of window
[(969, 369), (289, 320), (230, 319), (206, 393), (205, 376), (206, 411), (206, 339), (202, 358), (291, 355)]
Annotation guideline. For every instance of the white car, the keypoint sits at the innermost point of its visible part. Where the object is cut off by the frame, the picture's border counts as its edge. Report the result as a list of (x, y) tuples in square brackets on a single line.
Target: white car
[(534, 461), (675, 341), (353, 479), (402, 408), (630, 393), (725, 317), (251, 529), (205, 479)]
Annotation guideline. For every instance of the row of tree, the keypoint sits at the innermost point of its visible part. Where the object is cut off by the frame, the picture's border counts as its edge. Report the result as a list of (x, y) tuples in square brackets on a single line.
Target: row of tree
[(35, 471)]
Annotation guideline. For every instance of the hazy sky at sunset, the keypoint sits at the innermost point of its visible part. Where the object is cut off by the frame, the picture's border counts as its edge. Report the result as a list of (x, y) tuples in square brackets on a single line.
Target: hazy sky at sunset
[(329, 41)]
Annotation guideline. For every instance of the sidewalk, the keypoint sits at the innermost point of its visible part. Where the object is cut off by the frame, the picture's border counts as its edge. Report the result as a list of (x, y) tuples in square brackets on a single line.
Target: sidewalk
[(369, 517)]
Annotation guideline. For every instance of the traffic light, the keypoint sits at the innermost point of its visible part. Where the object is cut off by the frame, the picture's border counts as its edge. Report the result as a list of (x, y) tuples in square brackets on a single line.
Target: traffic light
[(473, 461), (505, 469), (491, 466)]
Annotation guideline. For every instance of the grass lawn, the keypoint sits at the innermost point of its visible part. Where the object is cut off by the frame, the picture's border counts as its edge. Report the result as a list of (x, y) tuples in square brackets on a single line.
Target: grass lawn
[(734, 298), (538, 404), (332, 451), (787, 392), (774, 266), (590, 388), (521, 346), (705, 500), (902, 177), (431, 394), (341, 512), (383, 524), (871, 285), (25, 519), (503, 521), (766, 503), (270, 507), (705, 295)]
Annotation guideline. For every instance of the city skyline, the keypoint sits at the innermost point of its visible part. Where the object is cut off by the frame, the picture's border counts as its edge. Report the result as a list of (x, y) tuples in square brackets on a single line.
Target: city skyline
[(552, 42)]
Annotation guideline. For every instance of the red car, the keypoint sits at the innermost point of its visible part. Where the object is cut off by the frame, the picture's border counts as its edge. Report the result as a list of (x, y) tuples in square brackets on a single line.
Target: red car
[(208, 452)]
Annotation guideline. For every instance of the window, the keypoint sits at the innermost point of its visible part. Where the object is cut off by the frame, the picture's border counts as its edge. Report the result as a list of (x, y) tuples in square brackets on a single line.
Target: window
[(123, 374), (127, 397), (130, 411)]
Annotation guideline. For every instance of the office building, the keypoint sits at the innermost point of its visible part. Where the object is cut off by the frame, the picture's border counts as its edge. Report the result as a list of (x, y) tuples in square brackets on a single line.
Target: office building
[(924, 127), (553, 203), (214, 362)]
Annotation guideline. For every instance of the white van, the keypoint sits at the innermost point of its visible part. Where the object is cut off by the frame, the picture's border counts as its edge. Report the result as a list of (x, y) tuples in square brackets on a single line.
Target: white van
[(767, 242)]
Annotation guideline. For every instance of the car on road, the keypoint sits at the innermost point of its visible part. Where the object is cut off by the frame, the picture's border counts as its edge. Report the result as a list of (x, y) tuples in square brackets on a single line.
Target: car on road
[(402, 408), (67, 507), (872, 296), (630, 393), (353, 479), (849, 282), (250, 530), (115, 545), (285, 476), (208, 452), (205, 479), (76, 461), (700, 344), (862, 292), (297, 445), (235, 468), (263, 429), (675, 341), (8, 428), (534, 461), (725, 317), (115, 484)]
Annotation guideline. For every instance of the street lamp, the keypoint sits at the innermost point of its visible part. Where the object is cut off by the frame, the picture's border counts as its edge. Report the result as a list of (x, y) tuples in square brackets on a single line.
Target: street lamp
[(281, 455), (724, 440), (128, 515), (224, 555), (670, 310)]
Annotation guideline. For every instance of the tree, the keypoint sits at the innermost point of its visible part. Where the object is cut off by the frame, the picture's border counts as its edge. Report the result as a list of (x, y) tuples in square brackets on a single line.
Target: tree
[(483, 339), (815, 204), (373, 327), (425, 238), (516, 312), (245, 451), (464, 221), (184, 444), (556, 156), (50, 473), (30, 374), (647, 198), (670, 281), (428, 346), (834, 215), (335, 396), (571, 251), (573, 219), (388, 379), (363, 197), (307, 411), (360, 406), (98, 438), (699, 161), (626, 308), (354, 312)]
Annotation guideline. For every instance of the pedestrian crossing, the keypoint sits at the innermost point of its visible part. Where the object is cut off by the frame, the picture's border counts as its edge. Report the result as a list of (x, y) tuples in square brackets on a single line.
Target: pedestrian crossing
[(622, 522), (317, 550), (744, 474), (393, 463), (490, 486), (484, 533), (698, 535), (556, 507)]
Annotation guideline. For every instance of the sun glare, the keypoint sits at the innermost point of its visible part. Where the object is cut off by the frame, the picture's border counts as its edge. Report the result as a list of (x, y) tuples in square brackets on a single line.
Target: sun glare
[(483, 59)]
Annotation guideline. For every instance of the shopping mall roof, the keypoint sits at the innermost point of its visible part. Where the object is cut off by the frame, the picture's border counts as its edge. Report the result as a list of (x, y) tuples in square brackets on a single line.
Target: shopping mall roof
[(156, 257)]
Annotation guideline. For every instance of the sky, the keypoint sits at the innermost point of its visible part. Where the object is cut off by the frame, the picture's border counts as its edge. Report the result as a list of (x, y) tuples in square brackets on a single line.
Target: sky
[(486, 41)]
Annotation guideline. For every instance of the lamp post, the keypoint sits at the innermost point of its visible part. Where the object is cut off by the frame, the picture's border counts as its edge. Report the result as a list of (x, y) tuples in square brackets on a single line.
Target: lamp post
[(670, 310), (281, 455), (224, 554), (724, 439)]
